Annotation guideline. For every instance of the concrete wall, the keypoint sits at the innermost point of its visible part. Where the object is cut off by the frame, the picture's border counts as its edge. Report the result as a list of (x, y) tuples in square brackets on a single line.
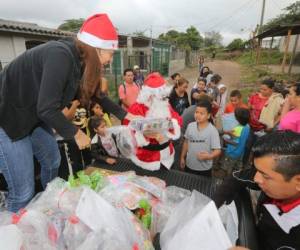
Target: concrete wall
[(291, 45), (176, 65), (10, 48)]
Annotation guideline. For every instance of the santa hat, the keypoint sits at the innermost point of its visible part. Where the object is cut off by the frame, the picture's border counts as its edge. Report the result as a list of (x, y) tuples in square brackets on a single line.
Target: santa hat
[(155, 85), (98, 31)]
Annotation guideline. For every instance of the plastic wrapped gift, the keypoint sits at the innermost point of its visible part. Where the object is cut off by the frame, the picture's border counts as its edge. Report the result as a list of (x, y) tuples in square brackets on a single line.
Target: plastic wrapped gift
[(151, 125), (195, 224)]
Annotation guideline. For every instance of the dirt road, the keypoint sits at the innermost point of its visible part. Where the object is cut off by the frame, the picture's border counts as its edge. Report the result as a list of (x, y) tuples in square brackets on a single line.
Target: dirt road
[(230, 72)]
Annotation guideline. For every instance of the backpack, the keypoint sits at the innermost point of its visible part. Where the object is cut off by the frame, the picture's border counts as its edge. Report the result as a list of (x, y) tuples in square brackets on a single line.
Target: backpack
[(124, 87)]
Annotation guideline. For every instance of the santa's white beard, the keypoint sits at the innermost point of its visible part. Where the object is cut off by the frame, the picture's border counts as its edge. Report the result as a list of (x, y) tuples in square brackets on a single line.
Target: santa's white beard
[(158, 109)]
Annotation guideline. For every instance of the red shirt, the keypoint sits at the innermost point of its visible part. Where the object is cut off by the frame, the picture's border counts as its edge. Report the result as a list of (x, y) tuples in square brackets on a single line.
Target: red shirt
[(230, 108), (256, 105)]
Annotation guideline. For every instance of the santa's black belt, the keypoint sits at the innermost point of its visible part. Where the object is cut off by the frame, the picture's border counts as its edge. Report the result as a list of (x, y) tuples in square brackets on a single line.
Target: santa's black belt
[(157, 147)]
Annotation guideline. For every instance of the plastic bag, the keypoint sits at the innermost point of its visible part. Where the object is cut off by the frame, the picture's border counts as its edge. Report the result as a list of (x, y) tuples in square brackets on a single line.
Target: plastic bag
[(125, 140), (152, 185), (126, 195), (115, 223), (229, 122), (34, 226), (194, 224), (75, 232), (161, 211), (11, 238), (229, 217), (5, 218), (49, 199)]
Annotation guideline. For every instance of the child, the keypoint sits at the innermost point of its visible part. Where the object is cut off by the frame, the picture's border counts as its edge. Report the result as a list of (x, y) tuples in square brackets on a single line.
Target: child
[(97, 110), (103, 145), (213, 84), (198, 90), (221, 98), (236, 145), (277, 174), (235, 102), (202, 142), (178, 98)]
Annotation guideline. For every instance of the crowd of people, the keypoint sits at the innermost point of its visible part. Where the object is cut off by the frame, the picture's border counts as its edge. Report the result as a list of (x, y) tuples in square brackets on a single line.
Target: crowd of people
[(255, 143)]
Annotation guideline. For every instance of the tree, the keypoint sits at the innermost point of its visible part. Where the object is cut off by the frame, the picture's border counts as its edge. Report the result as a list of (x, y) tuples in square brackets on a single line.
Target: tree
[(194, 39), (139, 33), (191, 39), (236, 44), (72, 25), (291, 16), (213, 38)]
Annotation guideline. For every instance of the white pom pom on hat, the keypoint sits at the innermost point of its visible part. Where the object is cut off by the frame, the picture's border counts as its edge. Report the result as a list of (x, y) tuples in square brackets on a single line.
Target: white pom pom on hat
[(99, 32)]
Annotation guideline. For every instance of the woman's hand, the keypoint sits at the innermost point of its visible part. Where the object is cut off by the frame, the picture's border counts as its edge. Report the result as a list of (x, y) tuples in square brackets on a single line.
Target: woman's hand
[(82, 140)]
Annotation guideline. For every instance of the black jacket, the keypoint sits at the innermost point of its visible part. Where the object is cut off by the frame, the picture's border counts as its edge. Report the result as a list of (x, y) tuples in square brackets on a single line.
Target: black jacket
[(179, 104), (271, 235), (37, 85), (98, 152)]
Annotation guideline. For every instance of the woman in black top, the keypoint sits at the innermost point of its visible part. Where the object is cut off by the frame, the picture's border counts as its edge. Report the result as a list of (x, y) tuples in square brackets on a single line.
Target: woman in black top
[(34, 89), (178, 97)]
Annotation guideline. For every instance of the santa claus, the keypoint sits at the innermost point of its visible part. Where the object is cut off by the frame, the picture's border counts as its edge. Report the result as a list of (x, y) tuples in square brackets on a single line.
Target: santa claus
[(154, 146)]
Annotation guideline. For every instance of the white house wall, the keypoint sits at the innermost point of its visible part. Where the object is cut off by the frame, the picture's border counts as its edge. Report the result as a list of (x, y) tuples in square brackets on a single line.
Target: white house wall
[(10, 48), (291, 45)]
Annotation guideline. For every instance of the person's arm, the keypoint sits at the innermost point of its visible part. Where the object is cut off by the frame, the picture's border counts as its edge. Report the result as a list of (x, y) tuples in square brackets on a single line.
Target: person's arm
[(286, 107), (183, 154), (70, 112), (57, 66), (232, 185), (111, 107), (209, 156), (122, 96), (95, 153), (125, 102)]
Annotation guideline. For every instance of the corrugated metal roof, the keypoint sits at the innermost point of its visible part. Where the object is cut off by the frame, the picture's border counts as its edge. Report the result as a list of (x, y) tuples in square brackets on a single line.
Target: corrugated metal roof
[(31, 29), (280, 30)]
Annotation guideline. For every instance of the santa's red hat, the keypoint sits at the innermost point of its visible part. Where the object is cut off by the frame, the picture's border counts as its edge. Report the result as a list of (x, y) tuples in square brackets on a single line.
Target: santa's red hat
[(154, 80), (98, 31), (154, 85)]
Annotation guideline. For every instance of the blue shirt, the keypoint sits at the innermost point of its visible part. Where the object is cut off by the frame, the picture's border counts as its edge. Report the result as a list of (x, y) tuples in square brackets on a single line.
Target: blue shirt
[(237, 151)]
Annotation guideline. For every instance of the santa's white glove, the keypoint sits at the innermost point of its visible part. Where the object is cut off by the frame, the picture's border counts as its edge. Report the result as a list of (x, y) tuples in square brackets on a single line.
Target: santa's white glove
[(176, 133)]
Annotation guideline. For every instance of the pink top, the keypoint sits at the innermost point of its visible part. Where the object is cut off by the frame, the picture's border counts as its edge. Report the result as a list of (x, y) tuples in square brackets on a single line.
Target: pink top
[(291, 121), (132, 91)]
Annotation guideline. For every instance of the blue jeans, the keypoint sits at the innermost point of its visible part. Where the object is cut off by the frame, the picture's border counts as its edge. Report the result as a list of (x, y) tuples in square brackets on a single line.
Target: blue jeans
[(16, 164)]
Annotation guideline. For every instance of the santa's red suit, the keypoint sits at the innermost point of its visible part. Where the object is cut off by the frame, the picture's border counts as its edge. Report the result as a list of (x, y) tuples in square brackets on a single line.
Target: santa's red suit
[(151, 154)]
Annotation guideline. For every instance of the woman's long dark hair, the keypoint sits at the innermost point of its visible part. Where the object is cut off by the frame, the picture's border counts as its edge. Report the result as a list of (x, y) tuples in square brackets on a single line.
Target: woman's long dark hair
[(91, 79)]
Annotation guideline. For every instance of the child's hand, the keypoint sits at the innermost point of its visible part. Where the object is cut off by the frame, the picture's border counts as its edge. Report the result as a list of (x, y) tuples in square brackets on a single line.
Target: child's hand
[(182, 164), (111, 161), (202, 156)]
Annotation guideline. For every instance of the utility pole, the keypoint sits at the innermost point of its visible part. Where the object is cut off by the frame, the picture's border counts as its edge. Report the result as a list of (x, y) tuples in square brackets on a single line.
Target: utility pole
[(262, 13), (151, 50)]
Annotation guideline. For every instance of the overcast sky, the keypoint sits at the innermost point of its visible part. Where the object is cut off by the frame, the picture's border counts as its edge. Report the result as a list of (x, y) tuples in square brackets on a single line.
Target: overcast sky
[(232, 18)]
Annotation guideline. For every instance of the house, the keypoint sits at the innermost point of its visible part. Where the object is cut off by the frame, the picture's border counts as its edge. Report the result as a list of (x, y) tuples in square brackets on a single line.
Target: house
[(17, 37)]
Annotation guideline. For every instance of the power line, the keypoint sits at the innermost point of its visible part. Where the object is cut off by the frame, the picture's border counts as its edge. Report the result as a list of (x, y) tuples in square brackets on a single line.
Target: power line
[(237, 16), (230, 16)]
